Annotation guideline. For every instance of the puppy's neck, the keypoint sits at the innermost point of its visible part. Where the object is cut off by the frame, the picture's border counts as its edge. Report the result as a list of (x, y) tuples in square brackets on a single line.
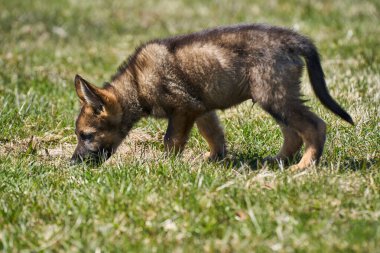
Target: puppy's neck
[(127, 95)]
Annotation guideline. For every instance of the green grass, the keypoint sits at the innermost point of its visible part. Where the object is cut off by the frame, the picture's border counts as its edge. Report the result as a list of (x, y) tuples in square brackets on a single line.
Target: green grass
[(144, 201)]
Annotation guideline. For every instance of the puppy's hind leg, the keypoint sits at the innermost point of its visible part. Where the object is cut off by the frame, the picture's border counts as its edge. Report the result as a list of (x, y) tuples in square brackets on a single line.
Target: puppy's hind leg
[(279, 95), (291, 145), (210, 128), (301, 124), (312, 129)]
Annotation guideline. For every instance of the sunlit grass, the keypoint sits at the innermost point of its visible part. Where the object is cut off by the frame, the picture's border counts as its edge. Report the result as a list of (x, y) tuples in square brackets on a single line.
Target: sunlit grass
[(145, 201)]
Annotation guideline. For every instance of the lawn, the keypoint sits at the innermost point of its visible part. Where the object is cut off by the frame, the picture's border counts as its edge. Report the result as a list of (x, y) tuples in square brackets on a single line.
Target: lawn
[(142, 200)]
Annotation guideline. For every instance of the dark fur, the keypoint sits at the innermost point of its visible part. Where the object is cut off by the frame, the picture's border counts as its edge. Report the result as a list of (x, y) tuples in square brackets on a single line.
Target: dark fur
[(186, 78)]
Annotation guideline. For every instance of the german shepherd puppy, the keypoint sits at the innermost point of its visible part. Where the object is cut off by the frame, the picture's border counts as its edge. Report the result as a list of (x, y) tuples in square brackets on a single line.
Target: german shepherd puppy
[(187, 78)]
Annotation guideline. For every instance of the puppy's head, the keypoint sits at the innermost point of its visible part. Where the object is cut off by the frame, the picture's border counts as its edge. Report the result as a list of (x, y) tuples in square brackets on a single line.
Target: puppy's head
[(98, 126)]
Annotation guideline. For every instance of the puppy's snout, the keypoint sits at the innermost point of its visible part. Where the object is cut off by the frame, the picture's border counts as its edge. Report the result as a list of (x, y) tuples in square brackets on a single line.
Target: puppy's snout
[(80, 155), (95, 158)]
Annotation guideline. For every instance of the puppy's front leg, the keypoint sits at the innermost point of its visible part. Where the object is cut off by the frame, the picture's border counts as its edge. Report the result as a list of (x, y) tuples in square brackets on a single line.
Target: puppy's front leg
[(177, 133), (210, 128)]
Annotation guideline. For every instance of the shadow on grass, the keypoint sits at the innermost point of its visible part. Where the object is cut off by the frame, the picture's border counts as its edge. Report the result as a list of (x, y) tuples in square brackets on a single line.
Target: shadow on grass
[(353, 164), (256, 162), (238, 160)]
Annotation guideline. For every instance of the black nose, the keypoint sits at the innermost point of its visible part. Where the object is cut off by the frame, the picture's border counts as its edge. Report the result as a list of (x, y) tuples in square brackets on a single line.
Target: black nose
[(72, 162), (75, 159)]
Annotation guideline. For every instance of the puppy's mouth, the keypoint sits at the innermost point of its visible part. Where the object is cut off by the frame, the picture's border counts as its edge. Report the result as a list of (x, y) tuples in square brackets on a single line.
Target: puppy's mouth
[(91, 157)]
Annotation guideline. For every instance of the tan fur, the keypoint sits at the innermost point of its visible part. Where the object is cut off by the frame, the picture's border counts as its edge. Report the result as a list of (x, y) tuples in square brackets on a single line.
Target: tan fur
[(186, 78)]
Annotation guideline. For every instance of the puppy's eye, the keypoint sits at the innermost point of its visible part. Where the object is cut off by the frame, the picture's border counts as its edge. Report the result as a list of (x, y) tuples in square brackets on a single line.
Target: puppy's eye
[(86, 136)]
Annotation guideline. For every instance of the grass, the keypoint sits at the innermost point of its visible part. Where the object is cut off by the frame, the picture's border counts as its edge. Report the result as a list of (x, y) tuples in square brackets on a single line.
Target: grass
[(144, 201)]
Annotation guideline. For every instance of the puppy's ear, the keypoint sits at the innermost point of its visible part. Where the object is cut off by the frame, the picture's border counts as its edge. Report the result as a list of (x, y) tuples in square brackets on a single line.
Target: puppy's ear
[(88, 93)]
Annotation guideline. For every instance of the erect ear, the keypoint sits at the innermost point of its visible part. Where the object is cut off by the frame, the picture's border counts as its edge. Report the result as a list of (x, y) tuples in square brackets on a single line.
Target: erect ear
[(89, 93)]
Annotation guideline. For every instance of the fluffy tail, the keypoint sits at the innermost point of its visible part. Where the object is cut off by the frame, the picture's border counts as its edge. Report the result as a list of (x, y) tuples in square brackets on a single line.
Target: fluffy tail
[(317, 79)]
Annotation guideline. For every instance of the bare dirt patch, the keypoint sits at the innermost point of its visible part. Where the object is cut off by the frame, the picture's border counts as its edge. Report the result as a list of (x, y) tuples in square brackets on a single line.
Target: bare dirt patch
[(56, 147)]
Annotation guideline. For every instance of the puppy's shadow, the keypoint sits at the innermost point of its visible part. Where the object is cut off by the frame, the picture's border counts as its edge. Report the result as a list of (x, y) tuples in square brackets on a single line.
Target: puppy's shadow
[(238, 160), (256, 162), (354, 164)]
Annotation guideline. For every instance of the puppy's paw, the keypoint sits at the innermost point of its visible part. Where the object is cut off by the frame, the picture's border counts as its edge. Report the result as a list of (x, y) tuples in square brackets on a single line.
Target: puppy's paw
[(214, 157), (296, 168)]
